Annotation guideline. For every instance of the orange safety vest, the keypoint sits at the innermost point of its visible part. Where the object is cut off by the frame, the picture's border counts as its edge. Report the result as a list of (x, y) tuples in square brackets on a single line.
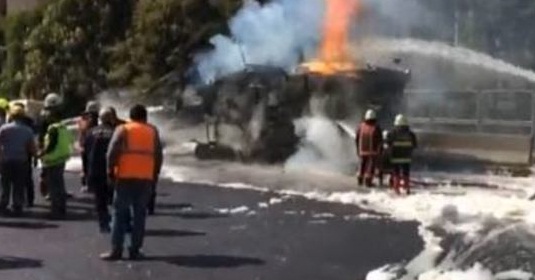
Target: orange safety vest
[(136, 160), (367, 142)]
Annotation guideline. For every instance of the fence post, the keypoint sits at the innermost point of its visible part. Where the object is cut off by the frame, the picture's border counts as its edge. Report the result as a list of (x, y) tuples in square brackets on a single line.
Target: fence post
[(479, 110)]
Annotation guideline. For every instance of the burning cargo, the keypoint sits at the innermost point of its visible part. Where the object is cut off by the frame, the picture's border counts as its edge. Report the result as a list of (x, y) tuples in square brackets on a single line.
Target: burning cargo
[(261, 103)]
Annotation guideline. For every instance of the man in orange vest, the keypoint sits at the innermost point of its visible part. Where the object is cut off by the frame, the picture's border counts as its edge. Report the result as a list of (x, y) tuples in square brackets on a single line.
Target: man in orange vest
[(369, 141), (134, 161)]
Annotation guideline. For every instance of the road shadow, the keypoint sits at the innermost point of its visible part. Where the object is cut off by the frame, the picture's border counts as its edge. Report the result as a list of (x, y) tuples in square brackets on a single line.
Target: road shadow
[(172, 206), (18, 263), (26, 225), (194, 215), (209, 261), (172, 233)]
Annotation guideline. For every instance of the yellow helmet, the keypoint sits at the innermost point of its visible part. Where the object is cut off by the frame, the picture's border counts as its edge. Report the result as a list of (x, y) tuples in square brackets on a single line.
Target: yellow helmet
[(4, 104)]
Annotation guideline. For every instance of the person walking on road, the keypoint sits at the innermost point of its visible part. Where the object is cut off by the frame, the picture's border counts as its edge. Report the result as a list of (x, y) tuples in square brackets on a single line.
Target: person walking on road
[(16, 143), (96, 144), (369, 141), (135, 158), (56, 152), (402, 142)]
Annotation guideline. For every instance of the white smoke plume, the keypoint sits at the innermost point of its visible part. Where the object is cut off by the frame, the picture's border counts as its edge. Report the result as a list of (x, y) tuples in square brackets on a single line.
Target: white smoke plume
[(276, 34)]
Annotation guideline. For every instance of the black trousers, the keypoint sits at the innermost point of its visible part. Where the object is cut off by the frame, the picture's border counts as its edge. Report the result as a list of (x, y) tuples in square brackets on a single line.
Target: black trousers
[(30, 187), (152, 202), (402, 170), (103, 198), (13, 184)]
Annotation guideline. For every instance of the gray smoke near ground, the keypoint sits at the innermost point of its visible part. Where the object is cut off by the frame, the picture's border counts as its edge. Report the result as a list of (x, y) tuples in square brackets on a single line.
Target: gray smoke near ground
[(277, 34)]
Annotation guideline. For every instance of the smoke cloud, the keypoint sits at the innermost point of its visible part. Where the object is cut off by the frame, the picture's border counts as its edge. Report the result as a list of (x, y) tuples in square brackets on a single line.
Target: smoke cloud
[(274, 34)]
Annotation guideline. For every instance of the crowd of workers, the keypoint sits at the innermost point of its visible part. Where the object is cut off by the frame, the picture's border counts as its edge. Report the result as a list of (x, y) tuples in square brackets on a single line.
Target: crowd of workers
[(381, 152), (121, 163)]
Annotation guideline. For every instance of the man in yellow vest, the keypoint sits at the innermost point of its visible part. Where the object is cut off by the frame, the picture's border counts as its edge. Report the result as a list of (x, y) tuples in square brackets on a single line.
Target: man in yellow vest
[(134, 160), (56, 152)]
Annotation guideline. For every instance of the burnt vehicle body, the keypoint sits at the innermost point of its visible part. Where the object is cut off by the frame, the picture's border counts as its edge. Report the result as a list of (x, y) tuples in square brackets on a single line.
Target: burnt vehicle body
[(262, 102)]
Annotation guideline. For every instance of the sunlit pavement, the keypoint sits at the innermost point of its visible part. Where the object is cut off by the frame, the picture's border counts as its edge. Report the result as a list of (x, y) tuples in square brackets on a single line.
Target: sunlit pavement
[(204, 232)]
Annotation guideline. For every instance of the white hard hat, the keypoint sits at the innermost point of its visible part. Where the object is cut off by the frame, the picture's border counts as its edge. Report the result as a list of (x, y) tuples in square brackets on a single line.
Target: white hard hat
[(52, 100), (401, 120), (92, 107), (370, 115)]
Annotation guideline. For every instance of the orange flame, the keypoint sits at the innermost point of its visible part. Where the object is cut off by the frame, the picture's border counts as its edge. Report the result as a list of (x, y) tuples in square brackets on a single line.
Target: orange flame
[(333, 55)]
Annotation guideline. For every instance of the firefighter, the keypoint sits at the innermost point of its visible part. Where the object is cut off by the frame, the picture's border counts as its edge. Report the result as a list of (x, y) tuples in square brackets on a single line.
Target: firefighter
[(402, 142), (54, 155), (87, 121), (134, 162), (369, 144), (16, 143), (96, 144)]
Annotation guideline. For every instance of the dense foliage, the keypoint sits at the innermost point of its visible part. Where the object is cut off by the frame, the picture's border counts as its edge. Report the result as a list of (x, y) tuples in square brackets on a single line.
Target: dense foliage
[(78, 47)]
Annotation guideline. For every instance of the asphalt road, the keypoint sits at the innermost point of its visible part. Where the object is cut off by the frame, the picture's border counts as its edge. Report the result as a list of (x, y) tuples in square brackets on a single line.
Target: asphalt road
[(206, 232)]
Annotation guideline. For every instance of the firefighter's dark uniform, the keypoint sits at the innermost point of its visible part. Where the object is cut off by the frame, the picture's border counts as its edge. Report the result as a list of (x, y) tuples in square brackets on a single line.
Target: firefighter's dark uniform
[(369, 144), (402, 142)]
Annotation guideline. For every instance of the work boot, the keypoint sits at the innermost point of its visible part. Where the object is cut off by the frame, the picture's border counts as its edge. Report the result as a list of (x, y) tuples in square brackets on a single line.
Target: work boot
[(135, 254), (360, 181), (368, 182), (113, 255)]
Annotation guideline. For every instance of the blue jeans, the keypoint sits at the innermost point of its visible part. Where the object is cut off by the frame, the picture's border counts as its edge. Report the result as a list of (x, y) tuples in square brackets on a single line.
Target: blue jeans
[(130, 204)]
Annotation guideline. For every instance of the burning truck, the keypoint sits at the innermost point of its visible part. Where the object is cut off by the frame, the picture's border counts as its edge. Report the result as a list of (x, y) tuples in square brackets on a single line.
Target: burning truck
[(262, 102)]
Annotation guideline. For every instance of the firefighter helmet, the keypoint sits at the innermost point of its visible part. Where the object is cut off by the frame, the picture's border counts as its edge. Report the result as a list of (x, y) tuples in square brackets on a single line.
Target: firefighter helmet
[(370, 115), (401, 120)]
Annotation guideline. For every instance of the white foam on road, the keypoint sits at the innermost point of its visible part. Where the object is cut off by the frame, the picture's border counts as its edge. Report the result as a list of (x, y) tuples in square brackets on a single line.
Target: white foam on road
[(453, 208)]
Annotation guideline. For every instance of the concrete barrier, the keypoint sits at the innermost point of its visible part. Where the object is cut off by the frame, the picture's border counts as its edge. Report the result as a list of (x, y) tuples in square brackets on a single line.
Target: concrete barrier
[(483, 147)]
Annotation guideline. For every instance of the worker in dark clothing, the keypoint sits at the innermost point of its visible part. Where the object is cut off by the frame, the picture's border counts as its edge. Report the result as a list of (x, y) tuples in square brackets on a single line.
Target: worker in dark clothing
[(96, 144), (86, 122), (30, 186), (369, 143), (402, 142), (16, 143)]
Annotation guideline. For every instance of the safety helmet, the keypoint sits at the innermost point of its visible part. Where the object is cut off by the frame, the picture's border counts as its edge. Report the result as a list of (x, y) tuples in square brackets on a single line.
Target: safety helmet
[(16, 111), (52, 100), (385, 134), (370, 115), (4, 104), (401, 120), (92, 107), (106, 115)]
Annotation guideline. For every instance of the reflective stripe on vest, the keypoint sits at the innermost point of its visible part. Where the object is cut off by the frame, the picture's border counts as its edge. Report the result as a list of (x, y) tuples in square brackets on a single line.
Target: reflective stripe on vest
[(402, 144), (137, 157), (400, 160), (367, 145)]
